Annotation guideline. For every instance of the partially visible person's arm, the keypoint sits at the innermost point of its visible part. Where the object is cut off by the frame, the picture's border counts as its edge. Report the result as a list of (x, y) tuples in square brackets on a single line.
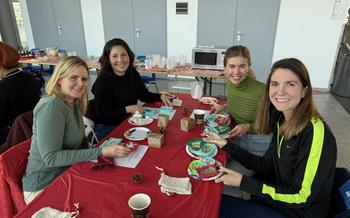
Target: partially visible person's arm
[(313, 176), (262, 165), (3, 110)]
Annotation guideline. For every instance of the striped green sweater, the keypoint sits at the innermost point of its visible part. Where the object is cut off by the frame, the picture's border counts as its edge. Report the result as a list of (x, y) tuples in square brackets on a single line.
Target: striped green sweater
[(243, 101)]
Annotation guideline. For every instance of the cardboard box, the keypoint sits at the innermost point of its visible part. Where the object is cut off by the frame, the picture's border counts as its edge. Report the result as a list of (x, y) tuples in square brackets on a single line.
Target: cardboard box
[(163, 120), (186, 124), (156, 140)]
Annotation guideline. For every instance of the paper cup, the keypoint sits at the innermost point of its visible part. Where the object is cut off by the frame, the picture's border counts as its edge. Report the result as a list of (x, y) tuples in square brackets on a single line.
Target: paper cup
[(199, 116), (139, 204)]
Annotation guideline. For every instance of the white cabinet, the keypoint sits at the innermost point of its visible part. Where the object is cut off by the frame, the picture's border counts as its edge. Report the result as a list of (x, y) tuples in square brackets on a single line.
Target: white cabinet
[(247, 22), (57, 23), (142, 24)]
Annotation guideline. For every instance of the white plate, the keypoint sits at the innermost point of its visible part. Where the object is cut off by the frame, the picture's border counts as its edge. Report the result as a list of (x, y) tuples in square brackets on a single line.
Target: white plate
[(137, 133), (208, 100), (198, 157), (142, 121)]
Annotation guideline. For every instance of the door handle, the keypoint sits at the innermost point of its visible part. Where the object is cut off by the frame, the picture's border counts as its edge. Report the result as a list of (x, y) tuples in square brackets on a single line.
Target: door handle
[(238, 37), (137, 32), (59, 29)]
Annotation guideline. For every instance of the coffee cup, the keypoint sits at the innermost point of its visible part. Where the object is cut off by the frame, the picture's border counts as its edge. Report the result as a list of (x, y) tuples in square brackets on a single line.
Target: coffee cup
[(199, 116), (139, 204)]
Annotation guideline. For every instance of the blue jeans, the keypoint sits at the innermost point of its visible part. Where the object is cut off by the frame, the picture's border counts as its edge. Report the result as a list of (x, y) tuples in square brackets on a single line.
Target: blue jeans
[(103, 130), (233, 207), (255, 144)]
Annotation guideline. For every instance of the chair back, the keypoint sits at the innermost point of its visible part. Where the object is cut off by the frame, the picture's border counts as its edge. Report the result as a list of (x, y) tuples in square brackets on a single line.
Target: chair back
[(89, 132), (89, 123), (13, 163), (20, 131), (340, 203), (90, 110)]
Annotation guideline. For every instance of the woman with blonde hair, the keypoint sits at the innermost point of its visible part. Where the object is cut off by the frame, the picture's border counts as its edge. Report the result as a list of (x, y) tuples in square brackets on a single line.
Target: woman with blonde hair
[(58, 139), (295, 176)]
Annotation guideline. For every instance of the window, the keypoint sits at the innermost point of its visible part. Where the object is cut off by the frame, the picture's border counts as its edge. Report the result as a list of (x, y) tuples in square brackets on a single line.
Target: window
[(20, 24)]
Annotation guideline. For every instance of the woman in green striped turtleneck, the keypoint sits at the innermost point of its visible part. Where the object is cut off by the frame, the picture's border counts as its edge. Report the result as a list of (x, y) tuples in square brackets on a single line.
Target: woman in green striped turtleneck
[(244, 94)]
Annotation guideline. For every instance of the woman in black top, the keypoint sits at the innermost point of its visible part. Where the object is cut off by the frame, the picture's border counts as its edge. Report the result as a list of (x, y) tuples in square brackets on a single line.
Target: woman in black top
[(118, 88), (295, 175), (19, 91)]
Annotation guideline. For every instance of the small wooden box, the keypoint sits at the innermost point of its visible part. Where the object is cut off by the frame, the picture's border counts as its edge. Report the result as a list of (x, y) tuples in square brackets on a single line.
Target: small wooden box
[(156, 140), (186, 124), (163, 120)]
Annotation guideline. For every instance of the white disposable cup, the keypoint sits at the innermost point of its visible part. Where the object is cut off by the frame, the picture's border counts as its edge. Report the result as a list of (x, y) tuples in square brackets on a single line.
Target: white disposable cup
[(139, 204)]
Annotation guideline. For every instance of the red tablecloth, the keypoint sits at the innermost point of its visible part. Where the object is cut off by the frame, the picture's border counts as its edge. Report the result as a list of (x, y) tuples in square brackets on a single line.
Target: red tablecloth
[(105, 193)]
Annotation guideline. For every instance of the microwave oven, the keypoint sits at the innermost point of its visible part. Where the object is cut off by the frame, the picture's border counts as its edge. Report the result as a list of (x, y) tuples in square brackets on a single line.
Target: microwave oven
[(208, 57)]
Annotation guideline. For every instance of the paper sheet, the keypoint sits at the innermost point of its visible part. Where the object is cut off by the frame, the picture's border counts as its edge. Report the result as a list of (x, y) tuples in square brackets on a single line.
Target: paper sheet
[(171, 116), (133, 158)]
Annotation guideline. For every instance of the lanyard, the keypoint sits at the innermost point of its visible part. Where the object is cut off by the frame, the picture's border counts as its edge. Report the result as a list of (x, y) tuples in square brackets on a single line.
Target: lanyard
[(279, 143)]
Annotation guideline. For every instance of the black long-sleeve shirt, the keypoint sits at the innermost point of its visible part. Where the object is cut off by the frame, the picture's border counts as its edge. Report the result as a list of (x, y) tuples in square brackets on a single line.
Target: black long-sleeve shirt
[(19, 93), (113, 93), (298, 173)]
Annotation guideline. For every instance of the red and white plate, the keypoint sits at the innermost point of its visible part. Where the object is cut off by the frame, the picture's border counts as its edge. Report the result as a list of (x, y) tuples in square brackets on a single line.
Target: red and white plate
[(196, 169)]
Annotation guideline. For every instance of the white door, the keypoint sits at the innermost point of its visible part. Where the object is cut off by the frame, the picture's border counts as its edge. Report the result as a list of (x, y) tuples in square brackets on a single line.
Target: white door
[(247, 22), (256, 23)]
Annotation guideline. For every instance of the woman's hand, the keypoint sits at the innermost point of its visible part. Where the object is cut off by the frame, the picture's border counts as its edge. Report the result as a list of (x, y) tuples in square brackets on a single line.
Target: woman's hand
[(238, 130), (115, 151), (217, 108), (166, 99), (229, 177), (134, 108), (214, 138)]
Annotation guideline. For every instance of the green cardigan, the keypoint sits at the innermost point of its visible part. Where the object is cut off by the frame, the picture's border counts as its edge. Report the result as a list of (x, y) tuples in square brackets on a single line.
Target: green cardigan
[(58, 134)]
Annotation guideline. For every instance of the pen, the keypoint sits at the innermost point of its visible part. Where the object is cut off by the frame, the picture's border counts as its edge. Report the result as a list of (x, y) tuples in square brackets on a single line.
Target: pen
[(131, 131)]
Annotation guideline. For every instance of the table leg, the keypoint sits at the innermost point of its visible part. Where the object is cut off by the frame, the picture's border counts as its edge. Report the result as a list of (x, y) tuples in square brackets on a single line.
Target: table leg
[(210, 85), (205, 86), (206, 82)]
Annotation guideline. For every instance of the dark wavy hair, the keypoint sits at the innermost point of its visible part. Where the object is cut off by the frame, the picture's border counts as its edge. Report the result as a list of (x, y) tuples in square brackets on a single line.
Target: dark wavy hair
[(104, 59)]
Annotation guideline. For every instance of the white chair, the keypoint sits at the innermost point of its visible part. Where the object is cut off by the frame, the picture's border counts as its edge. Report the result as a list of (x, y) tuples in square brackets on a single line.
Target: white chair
[(89, 132), (182, 84)]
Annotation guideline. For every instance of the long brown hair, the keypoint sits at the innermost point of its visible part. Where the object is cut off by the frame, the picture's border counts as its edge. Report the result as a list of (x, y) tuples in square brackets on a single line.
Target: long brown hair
[(63, 69), (268, 115), (240, 50)]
